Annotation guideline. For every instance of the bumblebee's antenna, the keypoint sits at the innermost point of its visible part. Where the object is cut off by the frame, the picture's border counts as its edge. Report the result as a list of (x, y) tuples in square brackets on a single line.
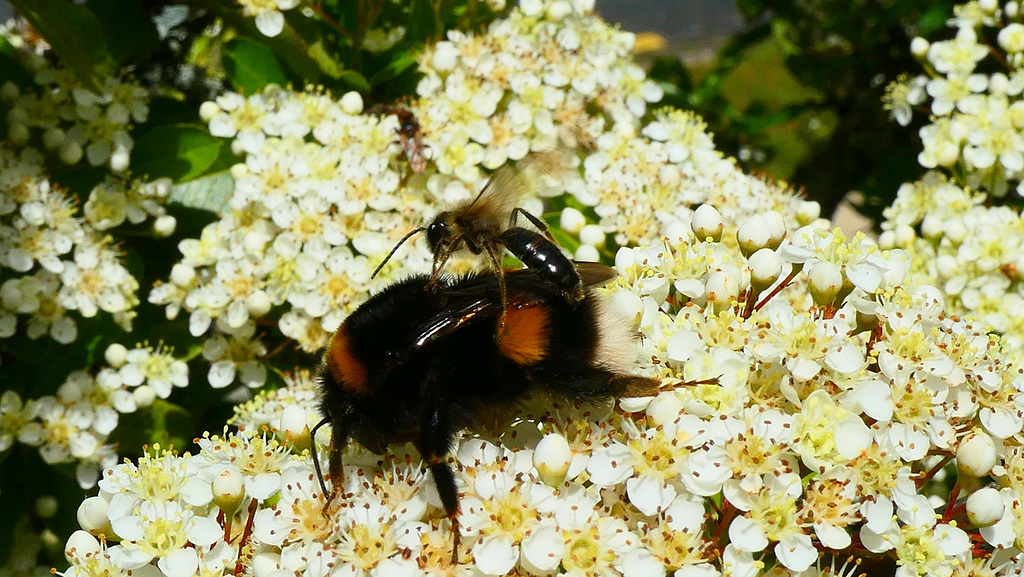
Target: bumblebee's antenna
[(316, 458), (388, 257)]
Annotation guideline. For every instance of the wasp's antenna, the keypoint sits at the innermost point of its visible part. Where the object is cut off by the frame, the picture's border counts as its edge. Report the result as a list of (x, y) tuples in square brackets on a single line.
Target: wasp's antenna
[(388, 257), (316, 458)]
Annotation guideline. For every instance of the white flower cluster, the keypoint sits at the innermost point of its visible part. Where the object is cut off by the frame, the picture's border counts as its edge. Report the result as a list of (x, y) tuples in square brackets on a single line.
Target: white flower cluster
[(971, 251), (973, 90), (74, 122), (73, 425), (548, 75), (319, 200), (553, 75), (795, 417), (113, 202), (959, 237), (52, 260)]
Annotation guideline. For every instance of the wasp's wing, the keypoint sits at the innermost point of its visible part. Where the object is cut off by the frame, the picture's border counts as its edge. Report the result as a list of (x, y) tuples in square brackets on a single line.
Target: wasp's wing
[(594, 274), (507, 185)]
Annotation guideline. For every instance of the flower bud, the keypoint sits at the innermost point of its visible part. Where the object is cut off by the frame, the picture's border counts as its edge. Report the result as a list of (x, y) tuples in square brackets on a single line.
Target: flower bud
[(824, 281), (976, 454), (80, 545), (988, 6), (586, 253), (571, 220), (931, 226), (92, 516), (228, 490), (9, 92), (352, 103), (47, 506), (808, 212), (919, 47), (144, 396), (52, 138), (776, 227), (164, 226), (18, 133), (754, 234), (208, 110), (183, 275), (887, 240), (70, 153), (552, 458), (904, 235), (238, 171), (707, 223), (765, 268), (985, 507), (721, 290), (116, 355), (956, 231), (119, 160), (946, 266), (592, 234), (294, 427)]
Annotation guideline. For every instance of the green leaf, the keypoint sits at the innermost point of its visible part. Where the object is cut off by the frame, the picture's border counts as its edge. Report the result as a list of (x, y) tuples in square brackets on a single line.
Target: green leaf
[(73, 32), (209, 193), (394, 68), (251, 65), (178, 151), (327, 63), (354, 81)]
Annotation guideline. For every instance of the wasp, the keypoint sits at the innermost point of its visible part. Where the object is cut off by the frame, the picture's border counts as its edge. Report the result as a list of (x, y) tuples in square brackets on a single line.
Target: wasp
[(488, 223)]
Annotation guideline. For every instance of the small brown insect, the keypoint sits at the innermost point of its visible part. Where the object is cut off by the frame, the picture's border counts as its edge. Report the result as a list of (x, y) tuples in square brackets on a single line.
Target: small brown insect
[(409, 137)]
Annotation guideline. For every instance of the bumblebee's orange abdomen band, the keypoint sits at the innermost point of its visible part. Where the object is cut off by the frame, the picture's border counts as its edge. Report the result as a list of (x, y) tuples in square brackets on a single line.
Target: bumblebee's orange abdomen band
[(524, 339), (347, 370)]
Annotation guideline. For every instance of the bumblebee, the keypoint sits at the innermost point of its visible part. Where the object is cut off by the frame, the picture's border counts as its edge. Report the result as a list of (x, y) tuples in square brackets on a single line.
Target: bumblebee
[(418, 362), (488, 223)]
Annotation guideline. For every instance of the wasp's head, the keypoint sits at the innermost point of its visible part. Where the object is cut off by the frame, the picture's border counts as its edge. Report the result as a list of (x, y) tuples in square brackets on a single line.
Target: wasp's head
[(439, 232)]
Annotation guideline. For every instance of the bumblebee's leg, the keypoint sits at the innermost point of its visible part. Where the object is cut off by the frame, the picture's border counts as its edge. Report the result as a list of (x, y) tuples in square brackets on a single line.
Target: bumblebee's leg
[(316, 457), (540, 224), (632, 386), (335, 470), (436, 435)]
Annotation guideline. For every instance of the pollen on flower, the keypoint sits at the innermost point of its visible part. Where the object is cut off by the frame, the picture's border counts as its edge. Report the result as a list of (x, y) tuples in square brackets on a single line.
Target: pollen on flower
[(676, 549)]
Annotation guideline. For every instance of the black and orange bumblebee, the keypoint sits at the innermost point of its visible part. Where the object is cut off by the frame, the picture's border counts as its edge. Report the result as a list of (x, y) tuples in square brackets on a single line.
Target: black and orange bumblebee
[(420, 361), (489, 222)]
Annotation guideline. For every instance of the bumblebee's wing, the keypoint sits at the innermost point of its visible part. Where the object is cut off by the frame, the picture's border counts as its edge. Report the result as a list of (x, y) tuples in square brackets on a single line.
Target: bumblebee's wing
[(507, 185), (479, 297)]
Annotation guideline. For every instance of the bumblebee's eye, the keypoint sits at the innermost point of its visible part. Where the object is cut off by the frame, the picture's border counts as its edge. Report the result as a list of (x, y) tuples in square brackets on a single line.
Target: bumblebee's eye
[(437, 232)]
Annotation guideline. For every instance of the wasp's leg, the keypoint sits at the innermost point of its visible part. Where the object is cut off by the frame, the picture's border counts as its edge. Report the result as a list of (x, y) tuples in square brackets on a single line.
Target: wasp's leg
[(540, 224)]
